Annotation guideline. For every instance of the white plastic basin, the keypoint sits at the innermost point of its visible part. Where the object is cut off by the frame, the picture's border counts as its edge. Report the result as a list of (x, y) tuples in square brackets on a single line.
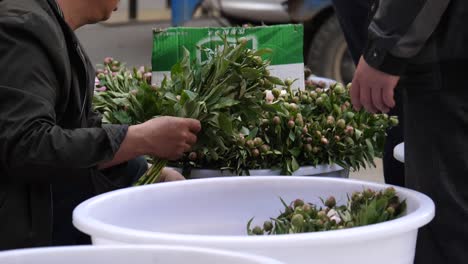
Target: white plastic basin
[(399, 152), (141, 254), (214, 212)]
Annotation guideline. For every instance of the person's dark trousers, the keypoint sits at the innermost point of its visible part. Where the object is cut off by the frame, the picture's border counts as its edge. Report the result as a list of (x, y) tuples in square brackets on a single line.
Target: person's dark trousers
[(436, 159), (66, 197), (354, 17)]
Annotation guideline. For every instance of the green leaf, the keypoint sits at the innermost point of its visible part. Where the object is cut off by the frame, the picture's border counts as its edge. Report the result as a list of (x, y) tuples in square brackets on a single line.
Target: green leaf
[(277, 108), (245, 131), (122, 117), (275, 80), (224, 103), (250, 73), (253, 133), (292, 135), (189, 95), (358, 133), (225, 123), (294, 164), (295, 152), (370, 147)]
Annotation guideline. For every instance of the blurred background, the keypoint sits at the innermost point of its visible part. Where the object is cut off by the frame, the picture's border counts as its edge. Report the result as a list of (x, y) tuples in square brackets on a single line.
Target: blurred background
[(127, 36)]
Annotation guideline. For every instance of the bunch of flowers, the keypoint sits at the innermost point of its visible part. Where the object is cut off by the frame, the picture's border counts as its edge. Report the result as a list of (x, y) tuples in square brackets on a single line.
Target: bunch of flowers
[(250, 119), (362, 208)]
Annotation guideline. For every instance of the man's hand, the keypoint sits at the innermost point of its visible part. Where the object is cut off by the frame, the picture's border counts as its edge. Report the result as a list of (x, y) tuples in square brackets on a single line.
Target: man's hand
[(167, 137), (164, 137), (169, 174), (372, 89)]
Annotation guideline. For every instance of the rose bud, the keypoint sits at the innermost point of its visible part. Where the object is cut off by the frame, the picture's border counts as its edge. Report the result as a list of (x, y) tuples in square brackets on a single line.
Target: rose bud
[(265, 148), (108, 60), (330, 202), (305, 130), (330, 120), (324, 141), (322, 214), (349, 115), (298, 203), (390, 192), (337, 138), (293, 107), (319, 90), (267, 226), (316, 150), (297, 220), (291, 124), (391, 210), (258, 141), (193, 156), (242, 40), (296, 99), (304, 98), (349, 130), (288, 82), (255, 152), (101, 75), (241, 141), (308, 148), (306, 208), (258, 60), (341, 123), (339, 89), (257, 231), (250, 143), (394, 121), (276, 120), (319, 101)]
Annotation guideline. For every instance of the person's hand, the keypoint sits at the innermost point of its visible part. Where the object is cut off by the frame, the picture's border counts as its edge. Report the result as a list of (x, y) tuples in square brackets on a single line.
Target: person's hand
[(372, 89), (168, 175), (167, 137)]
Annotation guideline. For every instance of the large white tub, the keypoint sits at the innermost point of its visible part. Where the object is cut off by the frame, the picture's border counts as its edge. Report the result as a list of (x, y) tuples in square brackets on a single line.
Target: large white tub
[(214, 212)]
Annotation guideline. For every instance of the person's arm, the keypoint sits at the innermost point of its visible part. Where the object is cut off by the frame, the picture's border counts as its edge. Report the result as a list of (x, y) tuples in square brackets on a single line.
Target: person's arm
[(398, 31), (33, 147)]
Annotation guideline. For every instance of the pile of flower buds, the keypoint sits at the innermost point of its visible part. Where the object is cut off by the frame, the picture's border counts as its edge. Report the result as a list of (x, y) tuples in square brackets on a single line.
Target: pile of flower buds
[(363, 208)]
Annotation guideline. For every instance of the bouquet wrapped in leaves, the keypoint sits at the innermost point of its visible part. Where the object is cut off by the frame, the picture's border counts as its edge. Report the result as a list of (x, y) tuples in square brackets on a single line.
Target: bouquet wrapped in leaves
[(218, 93)]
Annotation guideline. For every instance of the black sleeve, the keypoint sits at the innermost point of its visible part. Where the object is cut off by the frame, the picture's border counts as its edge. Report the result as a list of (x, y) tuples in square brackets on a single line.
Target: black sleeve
[(29, 134), (399, 30)]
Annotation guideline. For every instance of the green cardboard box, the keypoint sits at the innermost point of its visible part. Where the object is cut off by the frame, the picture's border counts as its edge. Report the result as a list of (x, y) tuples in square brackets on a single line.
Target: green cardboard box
[(286, 42)]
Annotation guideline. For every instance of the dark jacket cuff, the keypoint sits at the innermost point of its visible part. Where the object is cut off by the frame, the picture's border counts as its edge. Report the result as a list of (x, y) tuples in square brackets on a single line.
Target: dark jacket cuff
[(116, 135), (382, 60)]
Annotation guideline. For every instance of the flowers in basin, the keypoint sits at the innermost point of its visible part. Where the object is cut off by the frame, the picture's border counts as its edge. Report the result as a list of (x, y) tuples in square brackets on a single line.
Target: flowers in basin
[(362, 208)]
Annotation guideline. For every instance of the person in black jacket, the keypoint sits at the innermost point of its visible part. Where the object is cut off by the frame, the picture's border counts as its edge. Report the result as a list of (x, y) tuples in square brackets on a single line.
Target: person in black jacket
[(54, 151), (354, 17), (421, 46)]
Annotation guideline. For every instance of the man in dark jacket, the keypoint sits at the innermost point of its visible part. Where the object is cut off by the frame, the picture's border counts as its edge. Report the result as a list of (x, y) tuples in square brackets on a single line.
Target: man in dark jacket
[(422, 47), (354, 17), (51, 142)]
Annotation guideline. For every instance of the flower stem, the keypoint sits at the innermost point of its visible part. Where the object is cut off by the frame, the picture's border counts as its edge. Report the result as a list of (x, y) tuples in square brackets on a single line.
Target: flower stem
[(153, 174)]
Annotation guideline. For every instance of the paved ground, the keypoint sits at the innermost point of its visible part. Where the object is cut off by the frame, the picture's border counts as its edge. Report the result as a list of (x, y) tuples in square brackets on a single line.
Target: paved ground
[(132, 42)]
